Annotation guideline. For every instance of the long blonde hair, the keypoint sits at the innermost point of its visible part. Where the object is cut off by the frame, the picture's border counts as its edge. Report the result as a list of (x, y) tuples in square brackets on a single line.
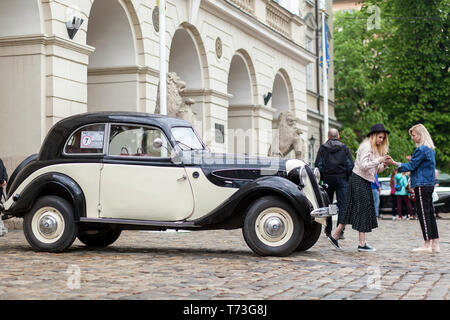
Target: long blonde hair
[(383, 148), (425, 138)]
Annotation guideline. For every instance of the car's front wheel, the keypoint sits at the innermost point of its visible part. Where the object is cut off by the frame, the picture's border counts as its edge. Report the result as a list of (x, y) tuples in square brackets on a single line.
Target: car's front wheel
[(272, 228), (99, 238), (50, 225), (312, 234)]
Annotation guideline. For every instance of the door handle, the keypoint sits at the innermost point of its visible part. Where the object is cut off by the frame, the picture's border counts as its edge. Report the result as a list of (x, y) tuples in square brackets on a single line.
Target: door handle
[(184, 177)]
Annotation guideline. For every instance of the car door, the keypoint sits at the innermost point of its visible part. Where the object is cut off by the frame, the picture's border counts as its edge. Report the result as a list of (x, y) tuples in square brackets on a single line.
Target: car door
[(139, 181)]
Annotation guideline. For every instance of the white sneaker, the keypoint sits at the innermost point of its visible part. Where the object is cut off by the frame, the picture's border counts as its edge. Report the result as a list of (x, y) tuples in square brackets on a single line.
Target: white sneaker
[(394, 217)]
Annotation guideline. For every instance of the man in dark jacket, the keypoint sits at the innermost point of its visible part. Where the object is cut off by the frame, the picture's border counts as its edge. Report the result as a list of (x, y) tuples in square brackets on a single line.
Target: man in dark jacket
[(335, 163)]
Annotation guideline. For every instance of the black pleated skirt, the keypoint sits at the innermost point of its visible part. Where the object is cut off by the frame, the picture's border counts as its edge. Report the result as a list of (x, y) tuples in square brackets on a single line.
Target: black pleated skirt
[(360, 207)]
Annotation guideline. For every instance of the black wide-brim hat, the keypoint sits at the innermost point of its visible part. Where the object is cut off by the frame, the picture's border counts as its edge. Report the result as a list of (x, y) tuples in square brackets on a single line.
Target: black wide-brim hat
[(378, 128)]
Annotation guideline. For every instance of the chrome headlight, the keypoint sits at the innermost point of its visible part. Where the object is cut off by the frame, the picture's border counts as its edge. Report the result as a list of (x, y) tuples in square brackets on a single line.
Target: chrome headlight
[(298, 176), (303, 176), (317, 174)]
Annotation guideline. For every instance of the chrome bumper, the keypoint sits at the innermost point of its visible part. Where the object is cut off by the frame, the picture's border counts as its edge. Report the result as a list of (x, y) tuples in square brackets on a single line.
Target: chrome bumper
[(325, 212)]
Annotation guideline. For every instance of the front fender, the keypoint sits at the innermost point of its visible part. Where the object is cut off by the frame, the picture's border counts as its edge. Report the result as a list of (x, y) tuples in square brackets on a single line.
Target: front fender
[(51, 183), (270, 185)]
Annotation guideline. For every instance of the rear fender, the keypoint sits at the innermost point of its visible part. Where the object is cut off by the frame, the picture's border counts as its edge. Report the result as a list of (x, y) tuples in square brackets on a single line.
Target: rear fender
[(52, 183)]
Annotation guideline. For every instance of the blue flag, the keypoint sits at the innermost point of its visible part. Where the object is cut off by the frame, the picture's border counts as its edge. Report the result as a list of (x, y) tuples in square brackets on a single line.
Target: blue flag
[(326, 50)]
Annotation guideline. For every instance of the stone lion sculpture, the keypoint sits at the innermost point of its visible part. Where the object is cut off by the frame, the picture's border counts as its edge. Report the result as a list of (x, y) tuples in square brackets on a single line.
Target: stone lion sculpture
[(287, 137), (177, 106)]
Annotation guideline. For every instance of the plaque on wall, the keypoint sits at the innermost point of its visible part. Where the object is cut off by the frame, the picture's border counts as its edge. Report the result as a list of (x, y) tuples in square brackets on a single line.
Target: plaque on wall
[(220, 133), (219, 47), (155, 18)]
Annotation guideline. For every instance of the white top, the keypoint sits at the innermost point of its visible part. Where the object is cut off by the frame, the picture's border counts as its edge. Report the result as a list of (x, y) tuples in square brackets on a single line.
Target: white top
[(367, 165)]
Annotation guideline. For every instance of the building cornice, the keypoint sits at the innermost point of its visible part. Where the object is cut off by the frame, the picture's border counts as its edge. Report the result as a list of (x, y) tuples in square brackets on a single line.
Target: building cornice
[(258, 29), (205, 93), (43, 39), (123, 70)]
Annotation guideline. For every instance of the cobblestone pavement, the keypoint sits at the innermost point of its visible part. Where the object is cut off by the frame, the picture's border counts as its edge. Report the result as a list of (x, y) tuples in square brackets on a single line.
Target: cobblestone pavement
[(219, 265)]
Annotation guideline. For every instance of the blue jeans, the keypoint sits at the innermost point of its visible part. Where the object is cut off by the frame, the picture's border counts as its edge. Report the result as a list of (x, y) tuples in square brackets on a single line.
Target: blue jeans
[(376, 199), (339, 186)]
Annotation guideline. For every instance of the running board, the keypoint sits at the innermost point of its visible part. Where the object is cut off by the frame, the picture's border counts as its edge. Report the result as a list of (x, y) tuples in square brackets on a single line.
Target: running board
[(163, 224)]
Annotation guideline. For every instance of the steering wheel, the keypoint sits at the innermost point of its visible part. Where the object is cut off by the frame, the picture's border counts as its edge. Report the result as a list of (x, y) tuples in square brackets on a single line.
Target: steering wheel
[(122, 151)]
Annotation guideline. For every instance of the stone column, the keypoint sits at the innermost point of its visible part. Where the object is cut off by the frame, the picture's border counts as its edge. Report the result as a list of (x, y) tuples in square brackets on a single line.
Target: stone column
[(211, 108), (66, 78)]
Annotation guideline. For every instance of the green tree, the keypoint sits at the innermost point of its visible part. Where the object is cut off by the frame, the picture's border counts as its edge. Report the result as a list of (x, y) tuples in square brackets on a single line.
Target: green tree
[(415, 77), (396, 74)]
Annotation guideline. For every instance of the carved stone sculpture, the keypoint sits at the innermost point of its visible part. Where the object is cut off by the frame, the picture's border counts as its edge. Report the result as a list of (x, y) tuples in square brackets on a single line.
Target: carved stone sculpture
[(177, 106), (287, 137)]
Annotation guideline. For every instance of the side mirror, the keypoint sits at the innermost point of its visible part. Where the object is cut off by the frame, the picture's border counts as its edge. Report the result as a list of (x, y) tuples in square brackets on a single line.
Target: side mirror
[(157, 143), (175, 157)]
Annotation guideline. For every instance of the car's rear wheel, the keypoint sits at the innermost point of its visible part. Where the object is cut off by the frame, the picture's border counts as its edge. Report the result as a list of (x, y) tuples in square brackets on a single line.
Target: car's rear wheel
[(312, 234), (272, 228), (100, 237), (50, 225)]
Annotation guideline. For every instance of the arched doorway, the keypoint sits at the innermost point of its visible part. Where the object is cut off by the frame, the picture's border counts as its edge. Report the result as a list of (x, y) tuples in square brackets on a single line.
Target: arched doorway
[(241, 106), (184, 59), (188, 60), (113, 79), (20, 17), (280, 92), (282, 102)]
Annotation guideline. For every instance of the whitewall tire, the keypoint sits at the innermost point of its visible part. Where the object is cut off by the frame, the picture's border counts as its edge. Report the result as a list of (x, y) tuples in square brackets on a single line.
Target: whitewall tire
[(272, 227), (50, 225)]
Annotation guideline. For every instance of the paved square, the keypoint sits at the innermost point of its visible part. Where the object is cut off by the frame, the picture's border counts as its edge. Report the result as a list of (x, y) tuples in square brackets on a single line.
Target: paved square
[(219, 265)]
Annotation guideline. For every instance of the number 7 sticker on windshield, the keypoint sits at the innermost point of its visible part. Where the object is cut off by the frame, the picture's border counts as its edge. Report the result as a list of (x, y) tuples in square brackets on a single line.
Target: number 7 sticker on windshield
[(91, 140)]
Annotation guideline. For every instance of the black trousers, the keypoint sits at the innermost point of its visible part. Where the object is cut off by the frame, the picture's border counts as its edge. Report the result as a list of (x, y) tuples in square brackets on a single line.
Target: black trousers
[(336, 185), (425, 212)]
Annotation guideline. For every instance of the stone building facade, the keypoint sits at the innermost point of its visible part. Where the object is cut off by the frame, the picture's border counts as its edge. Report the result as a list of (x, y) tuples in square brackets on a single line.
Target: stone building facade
[(232, 54)]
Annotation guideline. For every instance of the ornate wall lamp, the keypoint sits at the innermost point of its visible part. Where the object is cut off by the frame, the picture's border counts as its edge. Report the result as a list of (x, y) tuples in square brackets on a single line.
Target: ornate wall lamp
[(73, 25), (267, 97)]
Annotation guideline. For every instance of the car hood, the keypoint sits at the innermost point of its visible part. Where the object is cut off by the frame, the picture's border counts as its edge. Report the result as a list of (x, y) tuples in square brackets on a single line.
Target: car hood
[(218, 166)]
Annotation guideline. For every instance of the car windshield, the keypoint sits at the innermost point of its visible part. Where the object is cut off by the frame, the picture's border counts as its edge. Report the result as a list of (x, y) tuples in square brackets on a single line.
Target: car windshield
[(443, 179), (186, 138)]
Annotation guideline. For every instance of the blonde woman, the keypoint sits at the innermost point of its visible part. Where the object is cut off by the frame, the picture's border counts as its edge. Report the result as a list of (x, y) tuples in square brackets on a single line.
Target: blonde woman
[(360, 209), (422, 166)]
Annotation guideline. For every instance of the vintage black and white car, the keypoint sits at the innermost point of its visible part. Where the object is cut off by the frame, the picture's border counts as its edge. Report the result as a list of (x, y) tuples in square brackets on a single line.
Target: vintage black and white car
[(97, 174)]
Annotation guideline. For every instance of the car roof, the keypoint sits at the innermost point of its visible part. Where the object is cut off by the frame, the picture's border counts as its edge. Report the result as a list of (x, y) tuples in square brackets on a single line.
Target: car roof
[(122, 116), (60, 132)]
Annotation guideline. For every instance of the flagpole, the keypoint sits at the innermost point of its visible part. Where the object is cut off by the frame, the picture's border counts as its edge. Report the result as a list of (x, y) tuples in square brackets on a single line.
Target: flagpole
[(324, 72), (162, 59)]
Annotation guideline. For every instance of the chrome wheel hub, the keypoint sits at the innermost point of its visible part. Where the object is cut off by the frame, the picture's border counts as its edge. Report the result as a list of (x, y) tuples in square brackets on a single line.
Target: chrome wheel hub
[(48, 225), (274, 227)]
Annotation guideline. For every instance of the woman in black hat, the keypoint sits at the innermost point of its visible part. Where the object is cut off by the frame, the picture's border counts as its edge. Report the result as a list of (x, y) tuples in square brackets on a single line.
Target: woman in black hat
[(360, 207)]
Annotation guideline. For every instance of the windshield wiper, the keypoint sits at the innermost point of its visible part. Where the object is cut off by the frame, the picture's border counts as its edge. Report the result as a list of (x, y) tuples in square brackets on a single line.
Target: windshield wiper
[(184, 144)]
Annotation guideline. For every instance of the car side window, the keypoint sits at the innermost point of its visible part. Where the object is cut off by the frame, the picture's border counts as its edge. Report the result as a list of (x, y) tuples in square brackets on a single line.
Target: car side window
[(88, 139), (137, 141)]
